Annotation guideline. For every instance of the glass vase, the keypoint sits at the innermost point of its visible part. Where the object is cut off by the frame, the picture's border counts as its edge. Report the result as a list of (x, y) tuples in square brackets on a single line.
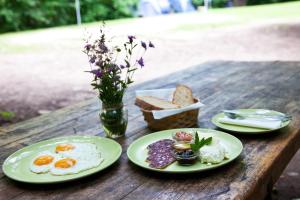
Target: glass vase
[(114, 119)]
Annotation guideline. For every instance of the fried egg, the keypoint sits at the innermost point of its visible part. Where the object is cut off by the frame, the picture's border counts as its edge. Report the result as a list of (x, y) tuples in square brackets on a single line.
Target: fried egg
[(69, 165), (76, 157), (42, 162)]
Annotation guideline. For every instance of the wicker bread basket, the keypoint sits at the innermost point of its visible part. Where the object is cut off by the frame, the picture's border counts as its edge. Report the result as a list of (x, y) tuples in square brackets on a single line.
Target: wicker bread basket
[(185, 119)]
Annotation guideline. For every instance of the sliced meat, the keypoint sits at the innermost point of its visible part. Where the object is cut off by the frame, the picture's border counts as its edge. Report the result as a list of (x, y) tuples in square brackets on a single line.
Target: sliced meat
[(163, 142), (160, 154)]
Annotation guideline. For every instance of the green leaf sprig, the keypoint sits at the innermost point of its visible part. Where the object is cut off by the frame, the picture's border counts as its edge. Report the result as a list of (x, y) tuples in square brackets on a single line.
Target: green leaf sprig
[(200, 143)]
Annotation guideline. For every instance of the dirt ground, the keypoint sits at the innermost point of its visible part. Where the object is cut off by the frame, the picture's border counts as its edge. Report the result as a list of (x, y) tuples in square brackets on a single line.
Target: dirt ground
[(41, 80)]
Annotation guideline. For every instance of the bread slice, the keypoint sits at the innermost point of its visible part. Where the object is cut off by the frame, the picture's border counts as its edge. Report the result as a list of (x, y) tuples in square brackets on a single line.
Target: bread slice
[(153, 103), (183, 96)]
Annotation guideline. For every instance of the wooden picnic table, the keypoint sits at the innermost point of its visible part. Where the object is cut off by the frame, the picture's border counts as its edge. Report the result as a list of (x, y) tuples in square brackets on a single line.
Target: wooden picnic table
[(219, 85)]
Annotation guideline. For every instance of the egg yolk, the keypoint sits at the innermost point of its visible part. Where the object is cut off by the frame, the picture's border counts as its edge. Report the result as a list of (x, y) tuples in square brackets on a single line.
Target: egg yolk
[(65, 163), (43, 160), (64, 147)]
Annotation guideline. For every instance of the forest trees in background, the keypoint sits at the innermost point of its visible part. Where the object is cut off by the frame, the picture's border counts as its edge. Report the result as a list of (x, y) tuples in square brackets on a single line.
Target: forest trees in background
[(16, 15)]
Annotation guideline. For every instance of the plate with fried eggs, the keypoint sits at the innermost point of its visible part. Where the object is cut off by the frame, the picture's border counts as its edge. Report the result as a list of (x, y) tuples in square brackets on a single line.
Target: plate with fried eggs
[(61, 159)]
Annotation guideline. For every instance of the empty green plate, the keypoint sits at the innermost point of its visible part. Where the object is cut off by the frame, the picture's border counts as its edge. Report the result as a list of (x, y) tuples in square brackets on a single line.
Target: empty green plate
[(245, 129), (16, 166), (137, 151)]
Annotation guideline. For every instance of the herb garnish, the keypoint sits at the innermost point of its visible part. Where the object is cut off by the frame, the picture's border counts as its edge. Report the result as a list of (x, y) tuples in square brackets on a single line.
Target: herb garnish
[(200, 143)]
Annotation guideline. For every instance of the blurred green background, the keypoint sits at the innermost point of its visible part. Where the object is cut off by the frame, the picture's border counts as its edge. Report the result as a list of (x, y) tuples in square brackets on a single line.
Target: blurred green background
[(16, 15)]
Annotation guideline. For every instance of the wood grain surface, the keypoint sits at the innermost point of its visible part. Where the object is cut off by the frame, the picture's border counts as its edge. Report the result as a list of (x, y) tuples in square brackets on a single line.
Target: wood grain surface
[(219, 85)]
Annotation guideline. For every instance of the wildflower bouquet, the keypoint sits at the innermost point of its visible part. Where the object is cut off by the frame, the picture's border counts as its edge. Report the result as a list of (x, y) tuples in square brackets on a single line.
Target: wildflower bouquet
[(111, 78), (112, 75)]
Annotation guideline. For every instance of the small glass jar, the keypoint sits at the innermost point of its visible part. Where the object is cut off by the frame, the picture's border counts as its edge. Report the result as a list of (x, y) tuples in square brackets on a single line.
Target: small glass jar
[(187, 157), (114, 119)]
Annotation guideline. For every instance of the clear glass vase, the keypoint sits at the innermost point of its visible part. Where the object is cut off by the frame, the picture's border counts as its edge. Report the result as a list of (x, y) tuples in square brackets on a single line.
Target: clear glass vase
[(114, 119)]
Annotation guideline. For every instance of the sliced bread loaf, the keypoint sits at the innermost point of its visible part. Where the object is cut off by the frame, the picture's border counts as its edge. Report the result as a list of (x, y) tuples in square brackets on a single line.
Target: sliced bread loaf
[(183, 96), (153, 103)]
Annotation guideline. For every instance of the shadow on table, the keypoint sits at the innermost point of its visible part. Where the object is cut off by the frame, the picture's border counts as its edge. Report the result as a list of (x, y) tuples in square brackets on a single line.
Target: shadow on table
[(71, 184), (234, 165), (258, 136)]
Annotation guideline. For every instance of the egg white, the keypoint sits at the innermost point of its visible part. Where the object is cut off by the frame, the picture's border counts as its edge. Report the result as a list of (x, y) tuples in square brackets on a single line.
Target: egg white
[(87, 156), (82, 151), (42, 168)]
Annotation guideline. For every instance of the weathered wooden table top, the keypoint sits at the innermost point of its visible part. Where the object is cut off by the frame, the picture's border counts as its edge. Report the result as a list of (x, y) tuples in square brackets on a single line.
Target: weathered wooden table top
[(220, 85)]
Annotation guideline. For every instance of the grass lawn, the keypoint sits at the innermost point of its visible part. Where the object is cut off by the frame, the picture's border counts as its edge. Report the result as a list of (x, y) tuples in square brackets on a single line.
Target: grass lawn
[(248, 14), (30, 41)]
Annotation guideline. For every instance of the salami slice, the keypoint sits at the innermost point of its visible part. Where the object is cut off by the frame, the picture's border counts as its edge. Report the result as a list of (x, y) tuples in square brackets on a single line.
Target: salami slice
[(160, 154)]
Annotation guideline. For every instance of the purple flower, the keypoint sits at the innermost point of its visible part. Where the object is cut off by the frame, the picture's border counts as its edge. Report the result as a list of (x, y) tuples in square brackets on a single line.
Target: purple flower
[(97, 73), (151, 44), (103, 48), (93, 59), (144, 45), (141, 62), (131, 38), (110, 69), (122, 66), (88, 47), (99, 63)]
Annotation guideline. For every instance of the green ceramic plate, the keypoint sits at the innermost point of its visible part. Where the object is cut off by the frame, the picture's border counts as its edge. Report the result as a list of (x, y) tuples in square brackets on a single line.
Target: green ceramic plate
[(137, 151), (245, 129), (16, 166)]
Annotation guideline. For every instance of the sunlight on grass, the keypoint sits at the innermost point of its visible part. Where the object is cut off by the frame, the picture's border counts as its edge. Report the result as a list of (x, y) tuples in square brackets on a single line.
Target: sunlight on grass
[(244, 15)]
